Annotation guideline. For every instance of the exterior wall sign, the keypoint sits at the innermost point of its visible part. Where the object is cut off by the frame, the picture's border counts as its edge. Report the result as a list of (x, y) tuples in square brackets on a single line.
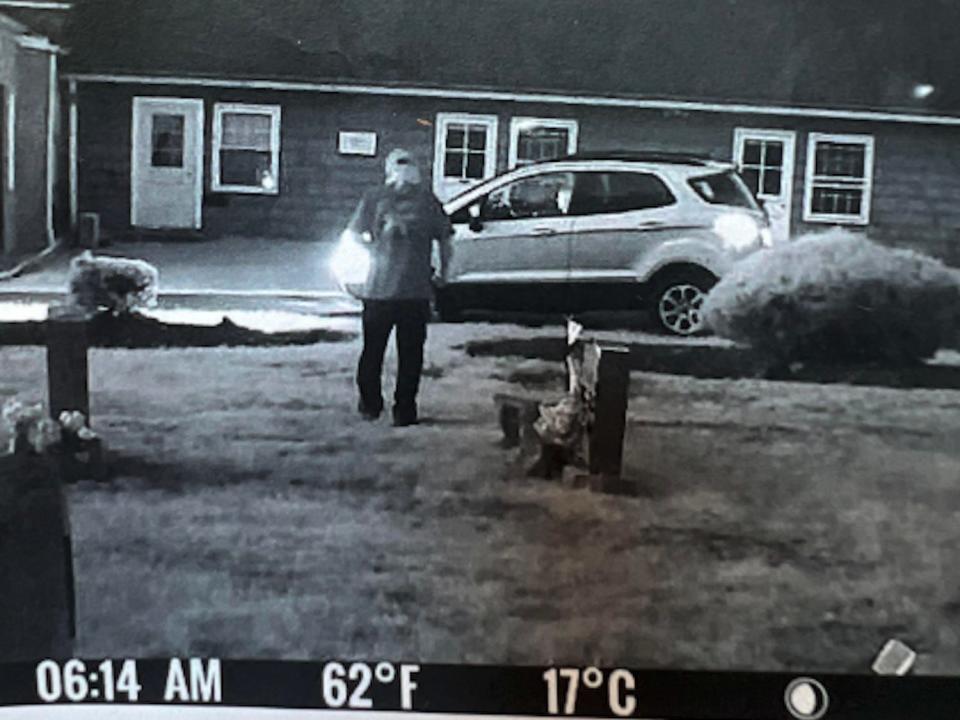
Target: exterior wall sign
[(357, 143)]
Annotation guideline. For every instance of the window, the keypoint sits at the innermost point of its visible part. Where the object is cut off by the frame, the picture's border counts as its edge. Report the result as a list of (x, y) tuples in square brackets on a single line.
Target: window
[(839, 179), (465, 152), (723, 189), (538, 139), (246, 148), (166, 148), (615, 192), (540, 196)]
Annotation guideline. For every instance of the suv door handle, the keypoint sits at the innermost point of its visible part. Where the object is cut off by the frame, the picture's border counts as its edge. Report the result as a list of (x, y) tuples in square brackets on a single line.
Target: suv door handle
[(649, 224), (543, 231)]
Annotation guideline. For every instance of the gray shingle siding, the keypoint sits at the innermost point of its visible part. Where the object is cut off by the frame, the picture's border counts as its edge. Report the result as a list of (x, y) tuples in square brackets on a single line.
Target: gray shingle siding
[(915, 190)]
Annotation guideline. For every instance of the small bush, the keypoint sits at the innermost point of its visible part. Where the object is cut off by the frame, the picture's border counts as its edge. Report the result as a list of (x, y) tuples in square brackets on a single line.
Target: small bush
[(837, 297), (115, 284)]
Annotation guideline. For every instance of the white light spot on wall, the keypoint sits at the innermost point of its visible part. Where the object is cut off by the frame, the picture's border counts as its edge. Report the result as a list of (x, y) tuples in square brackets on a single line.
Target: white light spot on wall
[(921, 91)]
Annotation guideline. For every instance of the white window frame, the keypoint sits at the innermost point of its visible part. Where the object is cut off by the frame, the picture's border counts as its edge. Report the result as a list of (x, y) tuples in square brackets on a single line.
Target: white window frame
[(519, 123), (810, 179), (440, 140), (219, 110)]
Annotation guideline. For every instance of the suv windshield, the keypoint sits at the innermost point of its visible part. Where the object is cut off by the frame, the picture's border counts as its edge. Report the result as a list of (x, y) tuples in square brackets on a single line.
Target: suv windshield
[(726, 188)]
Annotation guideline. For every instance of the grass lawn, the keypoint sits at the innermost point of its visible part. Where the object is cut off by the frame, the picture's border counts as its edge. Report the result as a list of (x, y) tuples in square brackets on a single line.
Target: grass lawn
[(781, 526)]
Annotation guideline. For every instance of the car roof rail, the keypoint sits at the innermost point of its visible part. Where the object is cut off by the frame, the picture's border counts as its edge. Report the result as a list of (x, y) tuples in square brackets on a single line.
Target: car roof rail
[(652, 156)]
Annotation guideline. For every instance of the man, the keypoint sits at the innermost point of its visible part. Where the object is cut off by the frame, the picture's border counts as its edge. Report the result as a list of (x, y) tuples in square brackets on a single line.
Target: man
[(399, 221)]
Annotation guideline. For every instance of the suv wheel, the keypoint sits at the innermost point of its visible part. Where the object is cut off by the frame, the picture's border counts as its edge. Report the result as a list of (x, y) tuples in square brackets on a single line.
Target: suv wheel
[(677, 300)]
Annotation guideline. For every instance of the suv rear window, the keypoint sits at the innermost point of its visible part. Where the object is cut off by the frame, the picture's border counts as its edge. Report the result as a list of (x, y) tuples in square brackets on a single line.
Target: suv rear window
[(618, 191), (726, 188)]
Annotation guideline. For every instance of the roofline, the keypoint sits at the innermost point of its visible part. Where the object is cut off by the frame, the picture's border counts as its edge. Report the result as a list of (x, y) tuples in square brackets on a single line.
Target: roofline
[(24, 37), (8, 23), (35, 5), (38, 42), (533, 97)]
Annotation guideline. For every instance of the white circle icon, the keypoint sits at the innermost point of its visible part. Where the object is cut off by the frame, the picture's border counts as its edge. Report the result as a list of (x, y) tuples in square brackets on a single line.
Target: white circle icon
[(806, 699)]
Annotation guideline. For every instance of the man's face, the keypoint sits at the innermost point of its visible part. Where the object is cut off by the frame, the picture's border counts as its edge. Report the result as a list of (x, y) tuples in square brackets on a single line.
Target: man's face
[(402, 171)]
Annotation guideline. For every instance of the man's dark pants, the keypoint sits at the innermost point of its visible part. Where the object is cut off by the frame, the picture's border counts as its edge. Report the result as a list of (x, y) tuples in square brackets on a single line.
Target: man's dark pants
[(379, 318)]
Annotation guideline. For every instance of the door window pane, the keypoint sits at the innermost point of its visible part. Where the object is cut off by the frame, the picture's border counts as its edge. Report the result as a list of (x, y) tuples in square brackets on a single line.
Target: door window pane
[(774, 154), (455, 135), (771, 182), (546, 195), (761, 166), (751, 177), (752, 152), (167, 141)]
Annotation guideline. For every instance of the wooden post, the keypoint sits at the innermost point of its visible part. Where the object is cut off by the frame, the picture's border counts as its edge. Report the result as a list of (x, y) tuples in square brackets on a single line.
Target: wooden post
[(605, 444), (67, 368), (37, 610)]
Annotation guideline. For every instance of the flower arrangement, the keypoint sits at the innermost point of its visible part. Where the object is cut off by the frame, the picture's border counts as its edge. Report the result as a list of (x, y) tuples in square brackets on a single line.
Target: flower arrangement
[(30, 430)]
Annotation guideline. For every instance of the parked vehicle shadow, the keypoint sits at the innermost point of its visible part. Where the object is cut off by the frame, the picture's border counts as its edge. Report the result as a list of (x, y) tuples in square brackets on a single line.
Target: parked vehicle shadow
[(593, 320)]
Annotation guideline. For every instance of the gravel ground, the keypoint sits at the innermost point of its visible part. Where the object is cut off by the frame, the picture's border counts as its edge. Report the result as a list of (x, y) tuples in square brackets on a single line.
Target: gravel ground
[(780, 526)]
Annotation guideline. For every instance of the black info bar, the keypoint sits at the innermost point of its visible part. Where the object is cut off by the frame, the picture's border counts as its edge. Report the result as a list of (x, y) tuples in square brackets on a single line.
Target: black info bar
[(411, 687)]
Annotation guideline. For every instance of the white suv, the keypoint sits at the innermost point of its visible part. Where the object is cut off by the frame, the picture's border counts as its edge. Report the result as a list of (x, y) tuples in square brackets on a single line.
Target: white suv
[(600, 232)]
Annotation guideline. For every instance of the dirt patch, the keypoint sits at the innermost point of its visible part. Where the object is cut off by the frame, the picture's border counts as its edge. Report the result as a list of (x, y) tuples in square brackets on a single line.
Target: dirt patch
[(728, 362)]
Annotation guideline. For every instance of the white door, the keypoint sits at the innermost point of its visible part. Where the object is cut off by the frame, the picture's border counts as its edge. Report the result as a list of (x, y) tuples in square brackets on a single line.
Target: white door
[(765, 159), (465, 152), (166, 170)]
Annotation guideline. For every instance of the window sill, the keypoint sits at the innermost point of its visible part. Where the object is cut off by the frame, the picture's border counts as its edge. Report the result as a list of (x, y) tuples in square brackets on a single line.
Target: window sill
[(243, 190), (836, 219)]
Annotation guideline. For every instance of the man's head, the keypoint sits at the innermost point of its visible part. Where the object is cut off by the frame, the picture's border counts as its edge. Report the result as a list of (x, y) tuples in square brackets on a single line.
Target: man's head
[(401, 169)]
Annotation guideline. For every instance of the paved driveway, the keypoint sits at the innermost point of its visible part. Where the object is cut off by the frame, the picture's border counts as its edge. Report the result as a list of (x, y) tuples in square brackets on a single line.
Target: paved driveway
[(227, 266)]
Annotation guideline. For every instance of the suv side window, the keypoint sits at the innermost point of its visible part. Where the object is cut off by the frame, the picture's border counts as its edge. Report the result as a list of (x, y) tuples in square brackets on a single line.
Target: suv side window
[(618, 191), (539, 196)]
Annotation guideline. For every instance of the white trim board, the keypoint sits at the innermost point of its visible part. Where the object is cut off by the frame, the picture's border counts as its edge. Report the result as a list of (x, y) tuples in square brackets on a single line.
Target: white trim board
[(35, 5), (52, 112), (535, 97), (73, 152), (11, 138), (38, 42)]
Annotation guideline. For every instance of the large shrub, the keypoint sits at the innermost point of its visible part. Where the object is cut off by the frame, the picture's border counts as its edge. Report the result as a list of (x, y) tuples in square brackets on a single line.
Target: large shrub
[(837, 297), (116, 284)]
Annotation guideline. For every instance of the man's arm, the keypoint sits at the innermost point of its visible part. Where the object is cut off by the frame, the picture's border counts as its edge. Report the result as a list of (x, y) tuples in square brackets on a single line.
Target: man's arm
[(361, 222)]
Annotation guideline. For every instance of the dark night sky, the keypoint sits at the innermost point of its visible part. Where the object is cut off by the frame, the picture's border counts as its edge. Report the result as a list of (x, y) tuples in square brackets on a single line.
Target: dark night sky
[(819, 52)]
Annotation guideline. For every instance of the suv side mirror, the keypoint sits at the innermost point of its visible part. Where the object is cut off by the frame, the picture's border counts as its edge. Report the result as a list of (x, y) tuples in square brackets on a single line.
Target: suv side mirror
[(476, 224)]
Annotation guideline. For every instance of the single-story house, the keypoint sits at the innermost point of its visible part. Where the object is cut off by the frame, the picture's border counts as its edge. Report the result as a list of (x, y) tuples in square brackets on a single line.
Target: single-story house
[(29, 137), (249, 117)]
